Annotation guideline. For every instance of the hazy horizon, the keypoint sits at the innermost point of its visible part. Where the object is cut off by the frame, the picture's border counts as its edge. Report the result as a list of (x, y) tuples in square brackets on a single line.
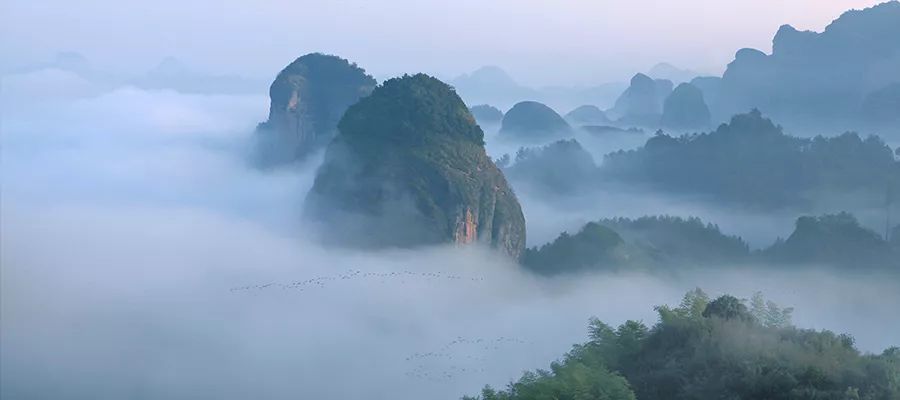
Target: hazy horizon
[(599, 42)]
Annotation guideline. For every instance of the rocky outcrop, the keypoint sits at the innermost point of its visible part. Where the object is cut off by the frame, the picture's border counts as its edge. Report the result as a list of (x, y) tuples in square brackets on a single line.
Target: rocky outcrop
[(409, 168), (308, 98), (530, 120), (685, 109), (818, 78)]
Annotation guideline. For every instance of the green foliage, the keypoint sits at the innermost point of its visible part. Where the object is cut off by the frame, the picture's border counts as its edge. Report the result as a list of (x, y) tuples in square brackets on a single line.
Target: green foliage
[(594, 245), (416, 110), (768, 313), (675, 240), (646, 243), (410, 155), (561, 167), (751, 161), (728, 307), (835, 239), (717, 349)]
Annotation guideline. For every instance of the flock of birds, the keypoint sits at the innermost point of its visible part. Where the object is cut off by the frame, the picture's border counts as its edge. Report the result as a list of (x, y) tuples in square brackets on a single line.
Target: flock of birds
[(472, 359), (458, 357), (355, 275)]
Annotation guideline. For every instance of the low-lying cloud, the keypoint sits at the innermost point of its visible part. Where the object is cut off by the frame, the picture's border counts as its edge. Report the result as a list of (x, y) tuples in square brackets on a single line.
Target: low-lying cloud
[(143, 257)]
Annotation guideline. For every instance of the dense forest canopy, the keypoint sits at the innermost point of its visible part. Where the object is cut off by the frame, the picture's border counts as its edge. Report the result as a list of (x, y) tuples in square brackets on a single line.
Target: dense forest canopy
[(835, 239), (651, 242), (725, 348), (670, 243), (409, 168), (752, 161), (561, 167)]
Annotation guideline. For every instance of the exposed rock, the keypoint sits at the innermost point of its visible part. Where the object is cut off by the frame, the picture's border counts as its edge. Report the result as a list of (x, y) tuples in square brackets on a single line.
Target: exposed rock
[(308, 98), (409, 168), (587, 115), (685, 108), (532, 120), (486, 114)]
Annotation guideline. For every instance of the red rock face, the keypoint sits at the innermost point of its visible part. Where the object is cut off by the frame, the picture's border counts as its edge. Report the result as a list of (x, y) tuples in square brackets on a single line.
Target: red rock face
[(466, 228)]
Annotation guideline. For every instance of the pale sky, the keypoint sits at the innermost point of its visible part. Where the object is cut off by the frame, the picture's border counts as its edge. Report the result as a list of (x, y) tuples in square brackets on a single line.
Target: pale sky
[(538, 42)]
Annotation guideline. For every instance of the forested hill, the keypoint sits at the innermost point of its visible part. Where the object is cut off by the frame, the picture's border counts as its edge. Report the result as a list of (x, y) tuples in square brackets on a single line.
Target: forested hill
[(752, 161), (712, 349)]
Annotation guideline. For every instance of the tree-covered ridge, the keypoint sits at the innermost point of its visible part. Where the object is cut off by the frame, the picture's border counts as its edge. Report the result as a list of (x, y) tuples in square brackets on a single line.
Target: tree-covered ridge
[(667, 242), (560, 167), (751, 161), (835, 239), (487, 114), (712, 349), (672, 239), (650, 242), (533, 120), (411, 110), (594, 246), (409, 168)]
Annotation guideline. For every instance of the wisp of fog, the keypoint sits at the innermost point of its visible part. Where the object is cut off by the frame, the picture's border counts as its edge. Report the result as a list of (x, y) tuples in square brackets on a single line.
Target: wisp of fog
[(143, 256)]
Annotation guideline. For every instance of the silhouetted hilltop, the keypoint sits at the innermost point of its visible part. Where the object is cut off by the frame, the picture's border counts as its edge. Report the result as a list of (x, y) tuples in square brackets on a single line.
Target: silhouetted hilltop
[(685, 109), (680, 241), (409, 168), (751, 161), (531, 120), (487, 114), (814, 77), (560, 167), (650, 242), (593, 247), (171, 73), (491, 85), (308, 98), (587, 115), (837, 240), (670, 72), (642, 102)]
